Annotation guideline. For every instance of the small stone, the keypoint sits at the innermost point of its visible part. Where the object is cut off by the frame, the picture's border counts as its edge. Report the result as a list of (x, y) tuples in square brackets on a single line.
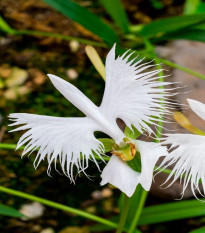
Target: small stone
[(75, 230), (10, 94), (97, 195), (72, 74), (17, 77), (38, 77), (5, 70), (4, 41), (48, 230), (23, 90), (106, 192), (36, 228), (32, 210), (74, 46)]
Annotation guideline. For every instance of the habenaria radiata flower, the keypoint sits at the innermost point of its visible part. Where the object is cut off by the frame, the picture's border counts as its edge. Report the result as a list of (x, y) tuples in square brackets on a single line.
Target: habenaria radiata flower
[(187, 152), (131, 95)]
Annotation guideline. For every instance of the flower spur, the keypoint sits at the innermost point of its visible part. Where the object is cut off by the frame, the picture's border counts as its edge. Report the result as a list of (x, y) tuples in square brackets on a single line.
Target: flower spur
[(131, 95)]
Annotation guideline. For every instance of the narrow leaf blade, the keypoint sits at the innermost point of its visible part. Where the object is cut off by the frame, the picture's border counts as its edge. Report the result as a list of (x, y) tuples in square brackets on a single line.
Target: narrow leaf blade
[(162, 26), (199, 230), (84, 17), (172, 211), (117, 12), (9, 211), (191, 34)]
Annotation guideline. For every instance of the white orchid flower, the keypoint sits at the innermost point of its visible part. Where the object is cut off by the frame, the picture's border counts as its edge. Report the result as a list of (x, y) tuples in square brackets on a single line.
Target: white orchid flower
[(130, 95), (187, 152)]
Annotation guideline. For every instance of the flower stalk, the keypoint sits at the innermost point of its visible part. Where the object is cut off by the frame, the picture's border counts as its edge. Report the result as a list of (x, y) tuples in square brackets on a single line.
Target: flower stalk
[(58, 206), (123, 216), (139, 209)]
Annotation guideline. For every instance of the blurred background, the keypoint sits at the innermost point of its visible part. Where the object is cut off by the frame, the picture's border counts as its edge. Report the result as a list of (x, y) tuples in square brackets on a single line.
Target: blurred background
[(39, 37)]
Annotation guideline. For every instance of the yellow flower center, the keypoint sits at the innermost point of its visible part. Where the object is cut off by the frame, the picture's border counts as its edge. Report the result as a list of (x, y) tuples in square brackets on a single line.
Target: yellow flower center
[(125, 150)]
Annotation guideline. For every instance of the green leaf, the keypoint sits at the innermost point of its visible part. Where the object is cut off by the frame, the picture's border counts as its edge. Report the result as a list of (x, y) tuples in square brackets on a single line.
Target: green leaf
[(84, 17), (9, 211), (191, 6), (117, 12), (101, 227), (199, 230), (108, 143), (192, 34), (200, 8), (160, 27), (172, 211)]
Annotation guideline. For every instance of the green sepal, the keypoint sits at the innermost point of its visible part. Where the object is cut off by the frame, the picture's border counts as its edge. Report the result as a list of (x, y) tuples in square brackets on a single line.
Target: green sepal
[(131, 133), (108, 143)]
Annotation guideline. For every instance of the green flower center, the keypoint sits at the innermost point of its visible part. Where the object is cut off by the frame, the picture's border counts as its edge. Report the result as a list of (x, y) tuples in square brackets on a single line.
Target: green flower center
[(126, 150)]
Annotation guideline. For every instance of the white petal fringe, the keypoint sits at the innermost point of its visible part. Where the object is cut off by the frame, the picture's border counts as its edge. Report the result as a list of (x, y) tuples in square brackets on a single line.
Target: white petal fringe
[(67, 140), (133, 94), (188, 152)]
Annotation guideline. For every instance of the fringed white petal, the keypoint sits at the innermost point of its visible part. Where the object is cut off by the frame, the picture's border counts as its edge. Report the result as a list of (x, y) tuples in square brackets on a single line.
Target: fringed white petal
[(67, 140), (119, 174), (188, 152), (150, 152), (197, 107), (133, 94)]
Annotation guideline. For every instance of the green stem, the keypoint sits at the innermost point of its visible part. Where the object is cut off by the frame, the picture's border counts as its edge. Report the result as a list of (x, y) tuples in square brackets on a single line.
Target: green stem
[(185, 69), (59, 36), (166, 170), (58, 206), (149, 54), (138, 211), (123, 215), (9, 146), (7, 29)]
